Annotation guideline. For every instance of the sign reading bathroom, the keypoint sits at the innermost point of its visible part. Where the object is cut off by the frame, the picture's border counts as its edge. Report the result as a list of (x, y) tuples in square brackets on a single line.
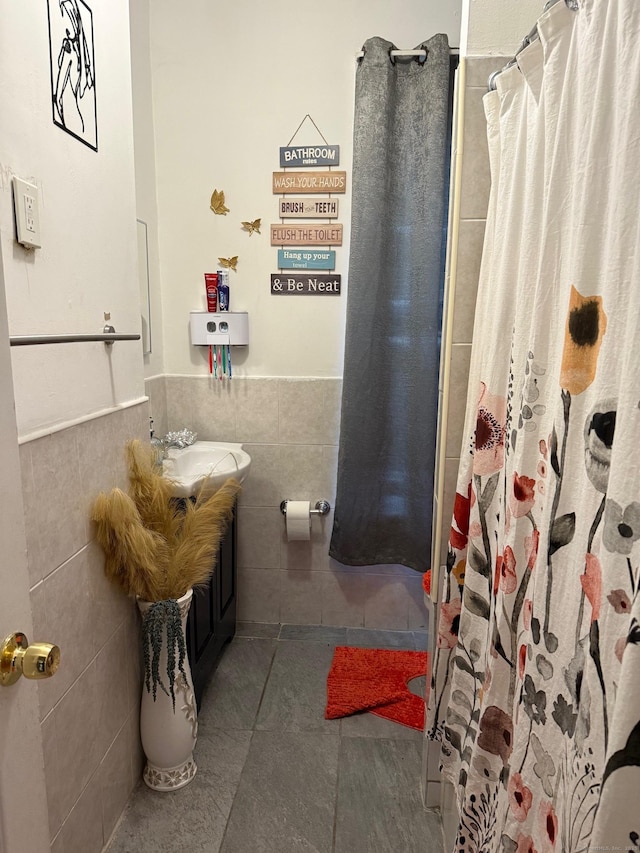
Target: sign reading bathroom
[(309, 155), (308, 208), (306, 235), (306, 259), (305, 285), (309, 182)]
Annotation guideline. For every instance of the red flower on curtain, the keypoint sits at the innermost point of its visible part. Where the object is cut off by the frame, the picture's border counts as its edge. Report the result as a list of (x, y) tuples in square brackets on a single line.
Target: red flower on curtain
[(460, 528), (591, 582), (531, 547), (490, 430), (549, 824), (449, 624), (520, 798), (522, 496), (525, 844), (522, 660), (496, 733), (508, 579)]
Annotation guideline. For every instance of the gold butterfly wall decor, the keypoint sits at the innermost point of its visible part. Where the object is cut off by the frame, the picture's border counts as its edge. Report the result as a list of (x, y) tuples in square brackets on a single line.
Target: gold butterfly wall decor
[(229, 263), (217, 203), (252, 226)]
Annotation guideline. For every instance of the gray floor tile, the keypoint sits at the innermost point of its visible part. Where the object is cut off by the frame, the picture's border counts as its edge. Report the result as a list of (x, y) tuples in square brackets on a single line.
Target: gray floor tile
[(296, 694), (379, 807), (373, 638), (192, 819), (263, 630), (319, 633), (232, 696), (370, 725), (285, 802), (421, 641)]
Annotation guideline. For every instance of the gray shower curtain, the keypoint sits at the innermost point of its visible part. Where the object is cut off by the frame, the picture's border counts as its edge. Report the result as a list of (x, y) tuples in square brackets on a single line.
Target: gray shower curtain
[(390, 391)]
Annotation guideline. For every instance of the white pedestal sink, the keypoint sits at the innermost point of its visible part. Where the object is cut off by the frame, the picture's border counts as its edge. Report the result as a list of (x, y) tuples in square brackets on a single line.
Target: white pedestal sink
[(204, 465)]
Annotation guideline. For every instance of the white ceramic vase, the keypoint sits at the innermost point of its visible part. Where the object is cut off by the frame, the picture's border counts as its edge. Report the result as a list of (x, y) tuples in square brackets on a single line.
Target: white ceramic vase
[(168, 736)]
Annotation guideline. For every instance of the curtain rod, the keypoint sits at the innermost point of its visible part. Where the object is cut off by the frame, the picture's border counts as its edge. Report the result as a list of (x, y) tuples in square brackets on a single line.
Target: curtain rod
[(422, 54), (531, 36)]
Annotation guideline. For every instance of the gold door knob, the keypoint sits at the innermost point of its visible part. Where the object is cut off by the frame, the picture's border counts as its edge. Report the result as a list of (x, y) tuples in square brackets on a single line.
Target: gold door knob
[(17, 657)]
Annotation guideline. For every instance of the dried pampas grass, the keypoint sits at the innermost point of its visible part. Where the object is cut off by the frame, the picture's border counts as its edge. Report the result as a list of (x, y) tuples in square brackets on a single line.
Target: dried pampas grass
[(156, 547)]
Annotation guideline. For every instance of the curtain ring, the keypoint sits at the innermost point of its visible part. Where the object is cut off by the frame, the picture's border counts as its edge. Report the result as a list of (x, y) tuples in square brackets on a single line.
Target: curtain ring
[(391, 59), (420, 61), (364, 53)]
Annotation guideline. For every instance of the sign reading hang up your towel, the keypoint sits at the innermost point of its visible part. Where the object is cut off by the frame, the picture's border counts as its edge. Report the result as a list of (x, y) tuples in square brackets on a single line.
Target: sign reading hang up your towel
[(304, 285)]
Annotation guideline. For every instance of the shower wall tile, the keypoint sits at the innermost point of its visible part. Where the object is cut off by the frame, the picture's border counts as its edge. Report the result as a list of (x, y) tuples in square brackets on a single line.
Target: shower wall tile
[(301, 598), (480, 67), (180, 402), (475, 177), (262, 486), (213, 413), (55, 520), (156, 391), (259, 537), (386, 604), (458, 383), (303, 472), (313, 555), (73, 604), (82, 830), (450, 482), (52, 773), (470, 240), (259, 595), (256, 410), (301, 412), (343, 599), (115, 766)]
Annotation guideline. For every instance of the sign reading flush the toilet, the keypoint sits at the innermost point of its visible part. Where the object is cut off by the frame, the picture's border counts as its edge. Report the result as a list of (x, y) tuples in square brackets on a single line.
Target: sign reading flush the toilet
[(305, 285)]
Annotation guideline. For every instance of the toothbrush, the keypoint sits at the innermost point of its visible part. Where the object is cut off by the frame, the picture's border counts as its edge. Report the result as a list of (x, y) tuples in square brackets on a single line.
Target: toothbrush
[(215, 362), (224, 360), (229, 360), (220, 357), (210, 359)]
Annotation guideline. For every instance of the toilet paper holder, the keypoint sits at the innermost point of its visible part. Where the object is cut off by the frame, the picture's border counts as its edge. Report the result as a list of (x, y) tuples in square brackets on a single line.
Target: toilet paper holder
[(322, 508)]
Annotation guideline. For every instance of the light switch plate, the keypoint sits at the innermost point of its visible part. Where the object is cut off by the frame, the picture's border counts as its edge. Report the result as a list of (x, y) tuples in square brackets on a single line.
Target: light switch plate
[(27, 213)]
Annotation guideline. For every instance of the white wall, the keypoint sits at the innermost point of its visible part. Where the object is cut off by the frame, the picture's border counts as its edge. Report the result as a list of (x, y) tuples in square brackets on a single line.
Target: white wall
[(145, 170), (231, 83), (496, 27), (87, 263)]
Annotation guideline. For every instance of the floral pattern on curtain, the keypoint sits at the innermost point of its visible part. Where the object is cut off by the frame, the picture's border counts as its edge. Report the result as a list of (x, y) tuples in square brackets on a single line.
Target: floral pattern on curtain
[(535, 693)]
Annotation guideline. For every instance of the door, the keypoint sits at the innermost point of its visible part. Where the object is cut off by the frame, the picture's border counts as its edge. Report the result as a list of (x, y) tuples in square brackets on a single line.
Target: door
[(23, 805)]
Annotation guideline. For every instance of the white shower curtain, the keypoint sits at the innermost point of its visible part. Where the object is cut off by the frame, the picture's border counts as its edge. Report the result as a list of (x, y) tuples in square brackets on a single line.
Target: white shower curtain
[(535, 691)]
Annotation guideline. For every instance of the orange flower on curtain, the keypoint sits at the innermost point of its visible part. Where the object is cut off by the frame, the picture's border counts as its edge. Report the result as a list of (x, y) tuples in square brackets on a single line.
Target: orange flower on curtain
[(584, 330)]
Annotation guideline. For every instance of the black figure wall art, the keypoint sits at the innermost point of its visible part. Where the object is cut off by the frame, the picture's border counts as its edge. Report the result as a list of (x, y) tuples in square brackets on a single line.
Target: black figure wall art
[(73, 80)]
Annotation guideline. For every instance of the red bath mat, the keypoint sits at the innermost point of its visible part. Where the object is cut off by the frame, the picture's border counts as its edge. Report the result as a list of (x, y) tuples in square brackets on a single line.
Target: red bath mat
[(375, 680)]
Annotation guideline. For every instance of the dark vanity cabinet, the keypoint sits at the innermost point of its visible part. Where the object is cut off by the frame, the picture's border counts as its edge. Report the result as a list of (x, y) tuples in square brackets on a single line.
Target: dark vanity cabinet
[(212, 618)]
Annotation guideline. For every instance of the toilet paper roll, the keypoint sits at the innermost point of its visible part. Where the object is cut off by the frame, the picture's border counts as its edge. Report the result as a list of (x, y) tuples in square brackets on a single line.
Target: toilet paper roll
[(298, 520)]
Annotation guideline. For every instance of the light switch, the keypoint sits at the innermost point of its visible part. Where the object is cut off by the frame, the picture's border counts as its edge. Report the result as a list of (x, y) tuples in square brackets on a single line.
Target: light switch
[(25, 202)]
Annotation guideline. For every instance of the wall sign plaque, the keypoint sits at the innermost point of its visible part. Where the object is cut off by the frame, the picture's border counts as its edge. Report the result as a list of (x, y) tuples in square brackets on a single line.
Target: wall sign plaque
[(308, 208), (309, 182), (307, 235), (306, 259), (305, 285), (309, 155)]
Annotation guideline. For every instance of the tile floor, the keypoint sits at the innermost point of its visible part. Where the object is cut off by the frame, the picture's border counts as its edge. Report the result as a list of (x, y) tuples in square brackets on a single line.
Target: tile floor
[(274, 776)]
